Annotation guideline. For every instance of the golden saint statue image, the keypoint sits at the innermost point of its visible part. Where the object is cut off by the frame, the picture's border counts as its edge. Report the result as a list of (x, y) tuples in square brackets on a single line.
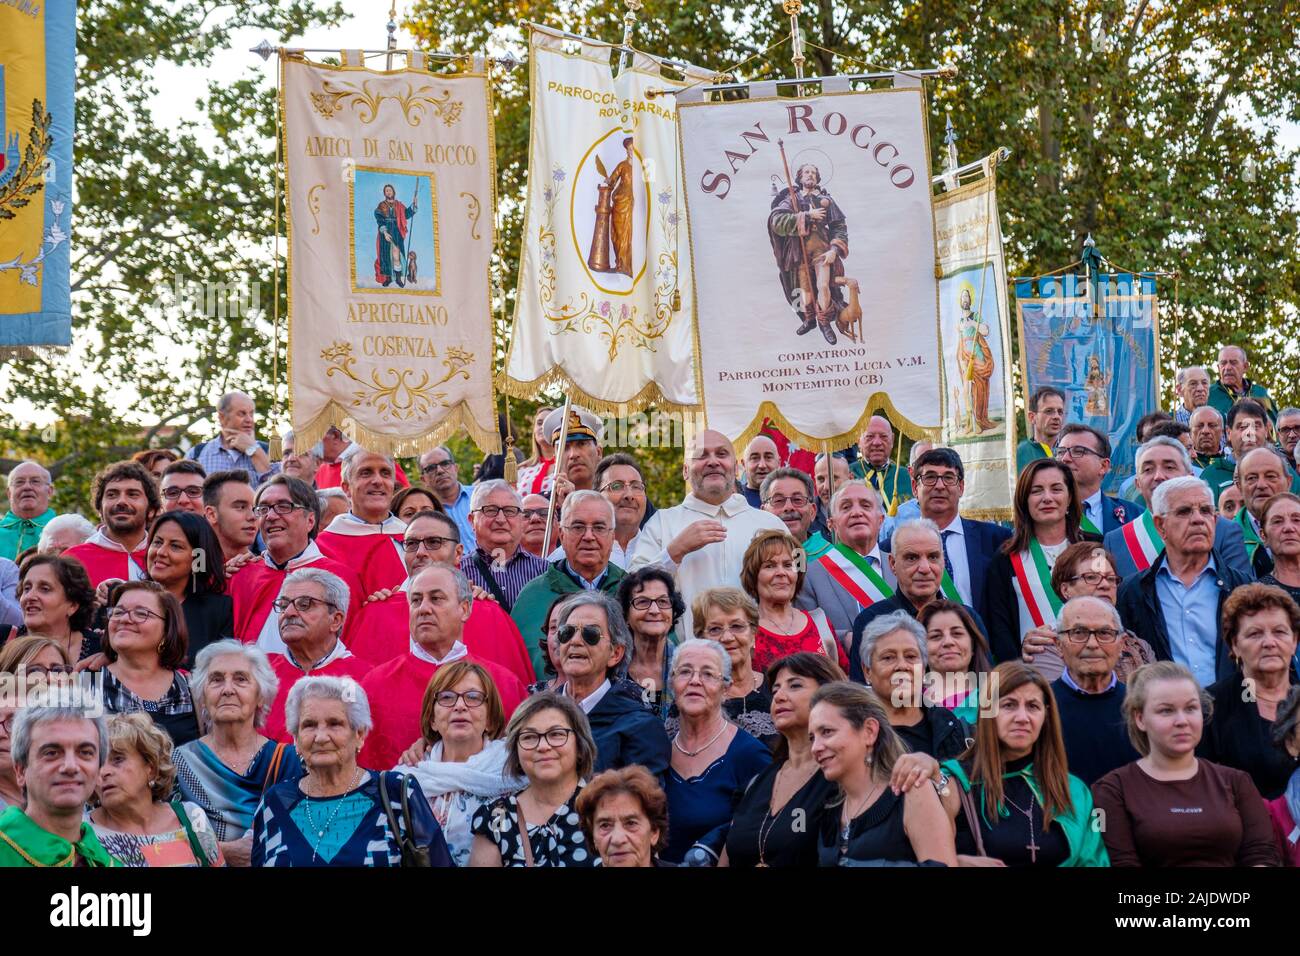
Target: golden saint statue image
[(614, 206), (1095, 386)]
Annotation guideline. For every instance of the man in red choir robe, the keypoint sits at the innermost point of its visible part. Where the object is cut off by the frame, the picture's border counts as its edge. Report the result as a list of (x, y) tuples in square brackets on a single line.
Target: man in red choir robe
[(287, 512), (382, 629), (126, 497), (440, 600), (313, 604), (367, 538)]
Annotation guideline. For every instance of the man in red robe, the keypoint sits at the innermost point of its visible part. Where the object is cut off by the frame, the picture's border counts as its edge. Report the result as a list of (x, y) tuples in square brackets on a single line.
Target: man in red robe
[(313, 605), (382, 629), (440, 600), (390, 238), (126, 497), (368, 538), (287, 512)]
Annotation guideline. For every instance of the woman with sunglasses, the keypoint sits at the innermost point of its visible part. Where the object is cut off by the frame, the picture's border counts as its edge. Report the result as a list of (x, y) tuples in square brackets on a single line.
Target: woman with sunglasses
[(145, 647), (549, 743), (462, 715)]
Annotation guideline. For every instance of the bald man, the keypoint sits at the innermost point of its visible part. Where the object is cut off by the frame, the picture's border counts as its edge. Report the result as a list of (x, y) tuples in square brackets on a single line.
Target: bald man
[(761, 459), (876, 467), (236, 446), (703, 540), (1260, 475)]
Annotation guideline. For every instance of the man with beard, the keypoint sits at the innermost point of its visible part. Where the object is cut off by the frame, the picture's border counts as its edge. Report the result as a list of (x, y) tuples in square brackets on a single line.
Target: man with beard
[(892, 483), (440, 603), (126, 499), (702, 541), (760, 460), (228, 506), (808, 231), (29, 512), (1193, 392), (368, 537), (382, 626), (788, 494)]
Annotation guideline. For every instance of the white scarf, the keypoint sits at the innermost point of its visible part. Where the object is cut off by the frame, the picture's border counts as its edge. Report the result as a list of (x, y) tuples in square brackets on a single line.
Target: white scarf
[(482, 775)]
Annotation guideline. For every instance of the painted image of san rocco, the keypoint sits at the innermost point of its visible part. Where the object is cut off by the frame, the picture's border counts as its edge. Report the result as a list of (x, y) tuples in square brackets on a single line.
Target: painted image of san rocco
[(810, 239)]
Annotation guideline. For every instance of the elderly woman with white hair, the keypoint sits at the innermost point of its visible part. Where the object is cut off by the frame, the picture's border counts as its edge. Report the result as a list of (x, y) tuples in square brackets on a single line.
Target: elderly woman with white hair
[(712, 760), (63, 532), (226, 771), (340, 814), (594, 647)]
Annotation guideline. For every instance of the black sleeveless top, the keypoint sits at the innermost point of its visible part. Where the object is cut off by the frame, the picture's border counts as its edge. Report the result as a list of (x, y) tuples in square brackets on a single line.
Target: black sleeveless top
[(788, 839), (1008, 837), (874, 834)]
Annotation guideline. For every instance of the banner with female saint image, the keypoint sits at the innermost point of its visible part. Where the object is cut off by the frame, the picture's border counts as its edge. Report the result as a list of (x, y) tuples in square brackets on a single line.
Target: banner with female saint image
[(390, 185), (604, 300), (974, 327)]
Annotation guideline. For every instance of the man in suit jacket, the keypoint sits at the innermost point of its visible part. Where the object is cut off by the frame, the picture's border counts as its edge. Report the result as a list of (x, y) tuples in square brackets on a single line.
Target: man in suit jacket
[(1175, 604), (1086, 452), (834, 583), (968, 545), (917, 562), (1135, 546)]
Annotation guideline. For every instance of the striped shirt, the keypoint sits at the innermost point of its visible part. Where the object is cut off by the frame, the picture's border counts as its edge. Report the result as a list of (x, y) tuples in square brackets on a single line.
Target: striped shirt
[(510, 577)]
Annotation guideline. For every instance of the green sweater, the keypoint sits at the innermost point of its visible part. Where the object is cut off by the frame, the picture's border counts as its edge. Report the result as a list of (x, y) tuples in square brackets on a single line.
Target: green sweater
[(536, 599), (1222, 399), (1028, 451), (23, 843), (1086, 846)]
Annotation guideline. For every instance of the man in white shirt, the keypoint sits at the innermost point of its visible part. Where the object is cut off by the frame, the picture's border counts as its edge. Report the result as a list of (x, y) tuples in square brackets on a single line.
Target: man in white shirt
[(702, 541), (619, 479)]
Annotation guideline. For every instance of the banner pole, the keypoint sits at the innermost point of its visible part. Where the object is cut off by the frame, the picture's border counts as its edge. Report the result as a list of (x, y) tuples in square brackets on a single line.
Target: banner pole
[(793, 8), (392, 34), (629, 21), (559, 462)]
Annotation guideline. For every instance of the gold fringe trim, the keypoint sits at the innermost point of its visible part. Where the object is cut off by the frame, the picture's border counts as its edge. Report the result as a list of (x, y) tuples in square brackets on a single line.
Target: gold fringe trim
[(650, 395), (988, 514), (878, 402), (399, 446)]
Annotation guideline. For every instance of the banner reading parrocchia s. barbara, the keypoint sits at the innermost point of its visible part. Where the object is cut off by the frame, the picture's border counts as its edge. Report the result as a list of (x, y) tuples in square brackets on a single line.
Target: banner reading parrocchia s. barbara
[(812, 237), (390, 198)]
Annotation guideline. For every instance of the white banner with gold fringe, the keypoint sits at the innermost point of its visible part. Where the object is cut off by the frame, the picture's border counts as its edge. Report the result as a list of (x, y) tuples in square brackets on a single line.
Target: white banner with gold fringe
[(390, 193), (604, 300), (812, 240)]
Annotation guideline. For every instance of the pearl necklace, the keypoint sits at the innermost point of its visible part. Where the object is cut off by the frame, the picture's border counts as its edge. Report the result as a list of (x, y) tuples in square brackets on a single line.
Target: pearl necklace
[(320, 833), (695, 753)]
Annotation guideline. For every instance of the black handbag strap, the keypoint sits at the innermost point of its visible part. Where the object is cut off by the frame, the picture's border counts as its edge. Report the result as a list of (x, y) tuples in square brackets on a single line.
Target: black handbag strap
[(492, 584), (398, 832)]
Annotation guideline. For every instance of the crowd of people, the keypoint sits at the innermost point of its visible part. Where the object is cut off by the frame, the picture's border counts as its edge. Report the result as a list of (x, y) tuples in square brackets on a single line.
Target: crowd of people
[(322, 661)]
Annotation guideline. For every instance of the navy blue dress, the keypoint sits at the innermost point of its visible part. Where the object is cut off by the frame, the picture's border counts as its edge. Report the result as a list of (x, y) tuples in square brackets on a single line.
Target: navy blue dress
[(700, 809)]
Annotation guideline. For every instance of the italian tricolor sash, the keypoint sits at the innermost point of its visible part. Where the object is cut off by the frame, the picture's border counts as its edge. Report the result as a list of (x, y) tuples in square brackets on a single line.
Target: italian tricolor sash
[(1086, 524), (1033, 583), (949, 589), (1143, 542), (854, 573)]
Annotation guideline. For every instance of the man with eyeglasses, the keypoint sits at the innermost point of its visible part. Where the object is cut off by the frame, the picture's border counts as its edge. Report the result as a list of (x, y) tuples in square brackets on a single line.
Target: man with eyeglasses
[(29, 490), (1046, 413), (587, 536), (287, 516), (312, 605), (534, 536), (496, 562), (380, 633), (702, 541), (438, 472), (1288, 432), (761, 458), (619, 479), (440, 602), (876, 466), (852, 574), (1086, 452), (368, 537), (1175, 604), (126, 498), (1089, 695), (968, 545), (181, 487)]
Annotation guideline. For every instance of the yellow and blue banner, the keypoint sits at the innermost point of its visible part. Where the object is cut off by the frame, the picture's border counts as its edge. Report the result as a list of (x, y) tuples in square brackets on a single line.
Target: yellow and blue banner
[(37, 119), (1097, 338)]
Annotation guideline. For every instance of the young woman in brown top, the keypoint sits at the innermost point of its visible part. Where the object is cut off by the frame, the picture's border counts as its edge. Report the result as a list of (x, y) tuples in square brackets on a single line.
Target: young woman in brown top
[(1170, 808)]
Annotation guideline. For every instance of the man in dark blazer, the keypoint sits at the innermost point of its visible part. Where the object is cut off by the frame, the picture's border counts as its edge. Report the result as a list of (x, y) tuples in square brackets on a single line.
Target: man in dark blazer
[(1086, 452), (917, 563), (1157, 461), (1175, 605), (968, 545)]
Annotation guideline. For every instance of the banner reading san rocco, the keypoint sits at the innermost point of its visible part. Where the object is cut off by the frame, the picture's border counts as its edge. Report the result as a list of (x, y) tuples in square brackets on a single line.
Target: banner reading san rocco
[(389, 183), (812, 242)]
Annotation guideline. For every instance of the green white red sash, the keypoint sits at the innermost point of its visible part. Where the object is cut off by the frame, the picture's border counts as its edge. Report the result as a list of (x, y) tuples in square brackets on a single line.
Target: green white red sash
[(1142, 541), (1086, 524), (949, 589), (1033, 583), (854, 573)]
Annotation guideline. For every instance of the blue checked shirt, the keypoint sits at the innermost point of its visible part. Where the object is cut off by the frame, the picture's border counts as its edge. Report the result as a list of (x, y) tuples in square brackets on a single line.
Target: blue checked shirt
[(214, 456)]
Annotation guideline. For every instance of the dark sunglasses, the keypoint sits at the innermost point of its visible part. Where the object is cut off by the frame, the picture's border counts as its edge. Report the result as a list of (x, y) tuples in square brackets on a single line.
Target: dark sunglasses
[(591, 634)]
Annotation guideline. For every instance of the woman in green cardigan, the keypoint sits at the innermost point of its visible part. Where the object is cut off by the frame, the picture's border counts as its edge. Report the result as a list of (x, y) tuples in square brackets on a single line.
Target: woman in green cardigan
[(1016, 803)]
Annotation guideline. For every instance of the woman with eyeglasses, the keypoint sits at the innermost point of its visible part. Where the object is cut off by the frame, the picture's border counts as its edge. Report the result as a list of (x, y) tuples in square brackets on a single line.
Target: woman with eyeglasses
[(1083, 570), (1018, 591), (409, 502), (184, 556), (145, 647), (592, 646), (37, 658), (549, 744), (463, 717), (713, 759), (772, 574), (58, 602), (652, 608)]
